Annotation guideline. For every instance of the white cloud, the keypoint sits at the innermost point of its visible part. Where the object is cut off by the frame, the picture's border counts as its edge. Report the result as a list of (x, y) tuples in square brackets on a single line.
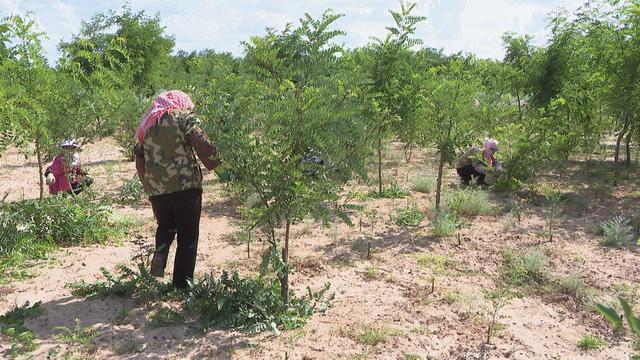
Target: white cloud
[(455, 25)]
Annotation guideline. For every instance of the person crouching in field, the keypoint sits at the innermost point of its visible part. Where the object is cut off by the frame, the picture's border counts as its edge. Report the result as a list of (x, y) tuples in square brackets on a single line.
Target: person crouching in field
[(479, 164), (65, 174), (167, 167)]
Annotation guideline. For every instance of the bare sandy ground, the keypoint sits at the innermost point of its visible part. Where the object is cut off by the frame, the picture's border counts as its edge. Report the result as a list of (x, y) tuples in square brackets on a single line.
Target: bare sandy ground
[(397, 301)]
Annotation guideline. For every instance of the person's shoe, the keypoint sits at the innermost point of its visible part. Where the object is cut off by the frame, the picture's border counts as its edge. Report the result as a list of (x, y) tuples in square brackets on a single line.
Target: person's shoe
[(158, 264)]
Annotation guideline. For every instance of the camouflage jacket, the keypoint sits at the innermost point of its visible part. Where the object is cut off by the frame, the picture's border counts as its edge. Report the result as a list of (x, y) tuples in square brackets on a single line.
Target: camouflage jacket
[(166, 160)]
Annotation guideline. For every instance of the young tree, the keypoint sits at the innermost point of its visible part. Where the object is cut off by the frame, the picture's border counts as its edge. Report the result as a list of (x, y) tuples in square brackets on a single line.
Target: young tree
[(120, 59), (35, 94), (394, 80), (303, 136), (449, 108)]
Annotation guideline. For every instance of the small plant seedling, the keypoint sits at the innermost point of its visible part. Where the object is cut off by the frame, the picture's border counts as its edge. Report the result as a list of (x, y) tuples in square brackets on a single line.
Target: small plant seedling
[(129, 346), (410, 216), (499, 299), (166, 317), (554, 199), (616, 232), (372, 273), (591, 342), (78, 336)]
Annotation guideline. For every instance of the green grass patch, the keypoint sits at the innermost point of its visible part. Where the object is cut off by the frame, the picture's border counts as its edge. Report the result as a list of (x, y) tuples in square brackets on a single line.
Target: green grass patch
[(165, 316), (444, 223), (591, 342), (616, 232), (21, 339), (524, 269), (392, 191), (468, 202), (410, 216), (371, 336), (33, 229), (423, 183)]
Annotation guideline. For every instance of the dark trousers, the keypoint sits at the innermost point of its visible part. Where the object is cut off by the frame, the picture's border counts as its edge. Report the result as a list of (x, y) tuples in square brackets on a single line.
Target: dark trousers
[(467, 172), (178, 211)]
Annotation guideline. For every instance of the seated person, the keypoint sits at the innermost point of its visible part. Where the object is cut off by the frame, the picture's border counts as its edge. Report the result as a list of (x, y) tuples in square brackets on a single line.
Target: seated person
[(480, 165), (65, 175)]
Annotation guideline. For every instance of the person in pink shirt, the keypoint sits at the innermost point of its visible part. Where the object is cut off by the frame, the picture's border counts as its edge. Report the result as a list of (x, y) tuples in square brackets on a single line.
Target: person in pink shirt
[(65, 174)]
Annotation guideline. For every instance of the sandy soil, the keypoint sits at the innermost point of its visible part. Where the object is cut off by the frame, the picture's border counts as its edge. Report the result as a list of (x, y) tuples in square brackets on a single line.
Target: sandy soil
[(397, 301)]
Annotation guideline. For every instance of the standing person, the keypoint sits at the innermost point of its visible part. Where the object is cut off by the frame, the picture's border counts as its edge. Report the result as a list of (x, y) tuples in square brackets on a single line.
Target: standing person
[(479, 164), (167, 137), (65, 175)]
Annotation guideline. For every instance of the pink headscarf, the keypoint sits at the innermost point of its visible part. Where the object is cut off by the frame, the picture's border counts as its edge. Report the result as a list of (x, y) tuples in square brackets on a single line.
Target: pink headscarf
[(489, 145), (163, 103)]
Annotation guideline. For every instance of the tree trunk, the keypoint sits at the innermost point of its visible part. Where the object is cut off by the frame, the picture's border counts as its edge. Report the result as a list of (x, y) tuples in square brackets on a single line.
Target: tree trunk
[(380, 162), (439, 181), (616, 155), (627, 145), (519, 105), (40, 172), (408, 153), (284, 280)]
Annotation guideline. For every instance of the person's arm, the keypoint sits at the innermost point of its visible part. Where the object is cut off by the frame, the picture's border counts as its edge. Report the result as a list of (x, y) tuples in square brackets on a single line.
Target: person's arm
[(140, 163), (207, 153)]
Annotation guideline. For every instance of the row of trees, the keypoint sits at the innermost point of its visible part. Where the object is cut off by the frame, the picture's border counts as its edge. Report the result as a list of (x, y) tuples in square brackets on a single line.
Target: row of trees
[(298, 116)]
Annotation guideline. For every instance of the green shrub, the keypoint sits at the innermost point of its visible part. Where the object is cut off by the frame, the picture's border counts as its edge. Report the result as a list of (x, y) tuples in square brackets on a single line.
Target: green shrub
[(12, 325), (444, 223), (468, 202), (31, 229), (527, 269), (616, 232), (410, 216), (423, 183), (393, 191), (140, 285), (575, 286), (130, 192), (253, 303)]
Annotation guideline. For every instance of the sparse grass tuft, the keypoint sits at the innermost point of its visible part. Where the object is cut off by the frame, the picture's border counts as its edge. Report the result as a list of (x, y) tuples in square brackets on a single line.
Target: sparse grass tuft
[(526, 269), (468, 202), (616, 232), (410, 216), (129, 346), (591, 342), (371, 336), (423, 183), (165, 317), (372, 273), (444, 224), (78, 336), (574, 286)]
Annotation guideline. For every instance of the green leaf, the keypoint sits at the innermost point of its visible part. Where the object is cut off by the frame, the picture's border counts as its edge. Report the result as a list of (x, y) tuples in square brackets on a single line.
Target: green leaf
[(610, 314), (632, 320)]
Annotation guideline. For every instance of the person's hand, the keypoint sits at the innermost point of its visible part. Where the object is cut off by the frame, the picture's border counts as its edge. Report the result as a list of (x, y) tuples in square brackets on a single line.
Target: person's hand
[(50, 179)]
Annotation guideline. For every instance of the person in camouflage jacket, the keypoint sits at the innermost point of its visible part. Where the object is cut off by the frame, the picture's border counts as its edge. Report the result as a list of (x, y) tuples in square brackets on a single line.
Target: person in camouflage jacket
[(169, 138)]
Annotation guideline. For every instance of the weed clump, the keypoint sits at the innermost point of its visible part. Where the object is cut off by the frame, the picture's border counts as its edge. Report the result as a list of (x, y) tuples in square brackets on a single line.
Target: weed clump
[(526, 269), (410, 216), (131, 192), (31, 229), (393, 191), (12, 325), (591, 342), (468, 202), (423, 184), (254, 303), (616, 232), (444, 223)]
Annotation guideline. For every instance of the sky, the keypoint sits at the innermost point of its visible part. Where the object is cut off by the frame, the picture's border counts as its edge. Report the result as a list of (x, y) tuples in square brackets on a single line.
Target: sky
[(470, 26)]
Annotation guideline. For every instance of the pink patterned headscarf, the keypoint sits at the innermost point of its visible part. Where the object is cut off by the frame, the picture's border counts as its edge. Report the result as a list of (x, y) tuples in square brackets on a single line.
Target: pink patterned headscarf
[(489, 145), (163, 103)]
